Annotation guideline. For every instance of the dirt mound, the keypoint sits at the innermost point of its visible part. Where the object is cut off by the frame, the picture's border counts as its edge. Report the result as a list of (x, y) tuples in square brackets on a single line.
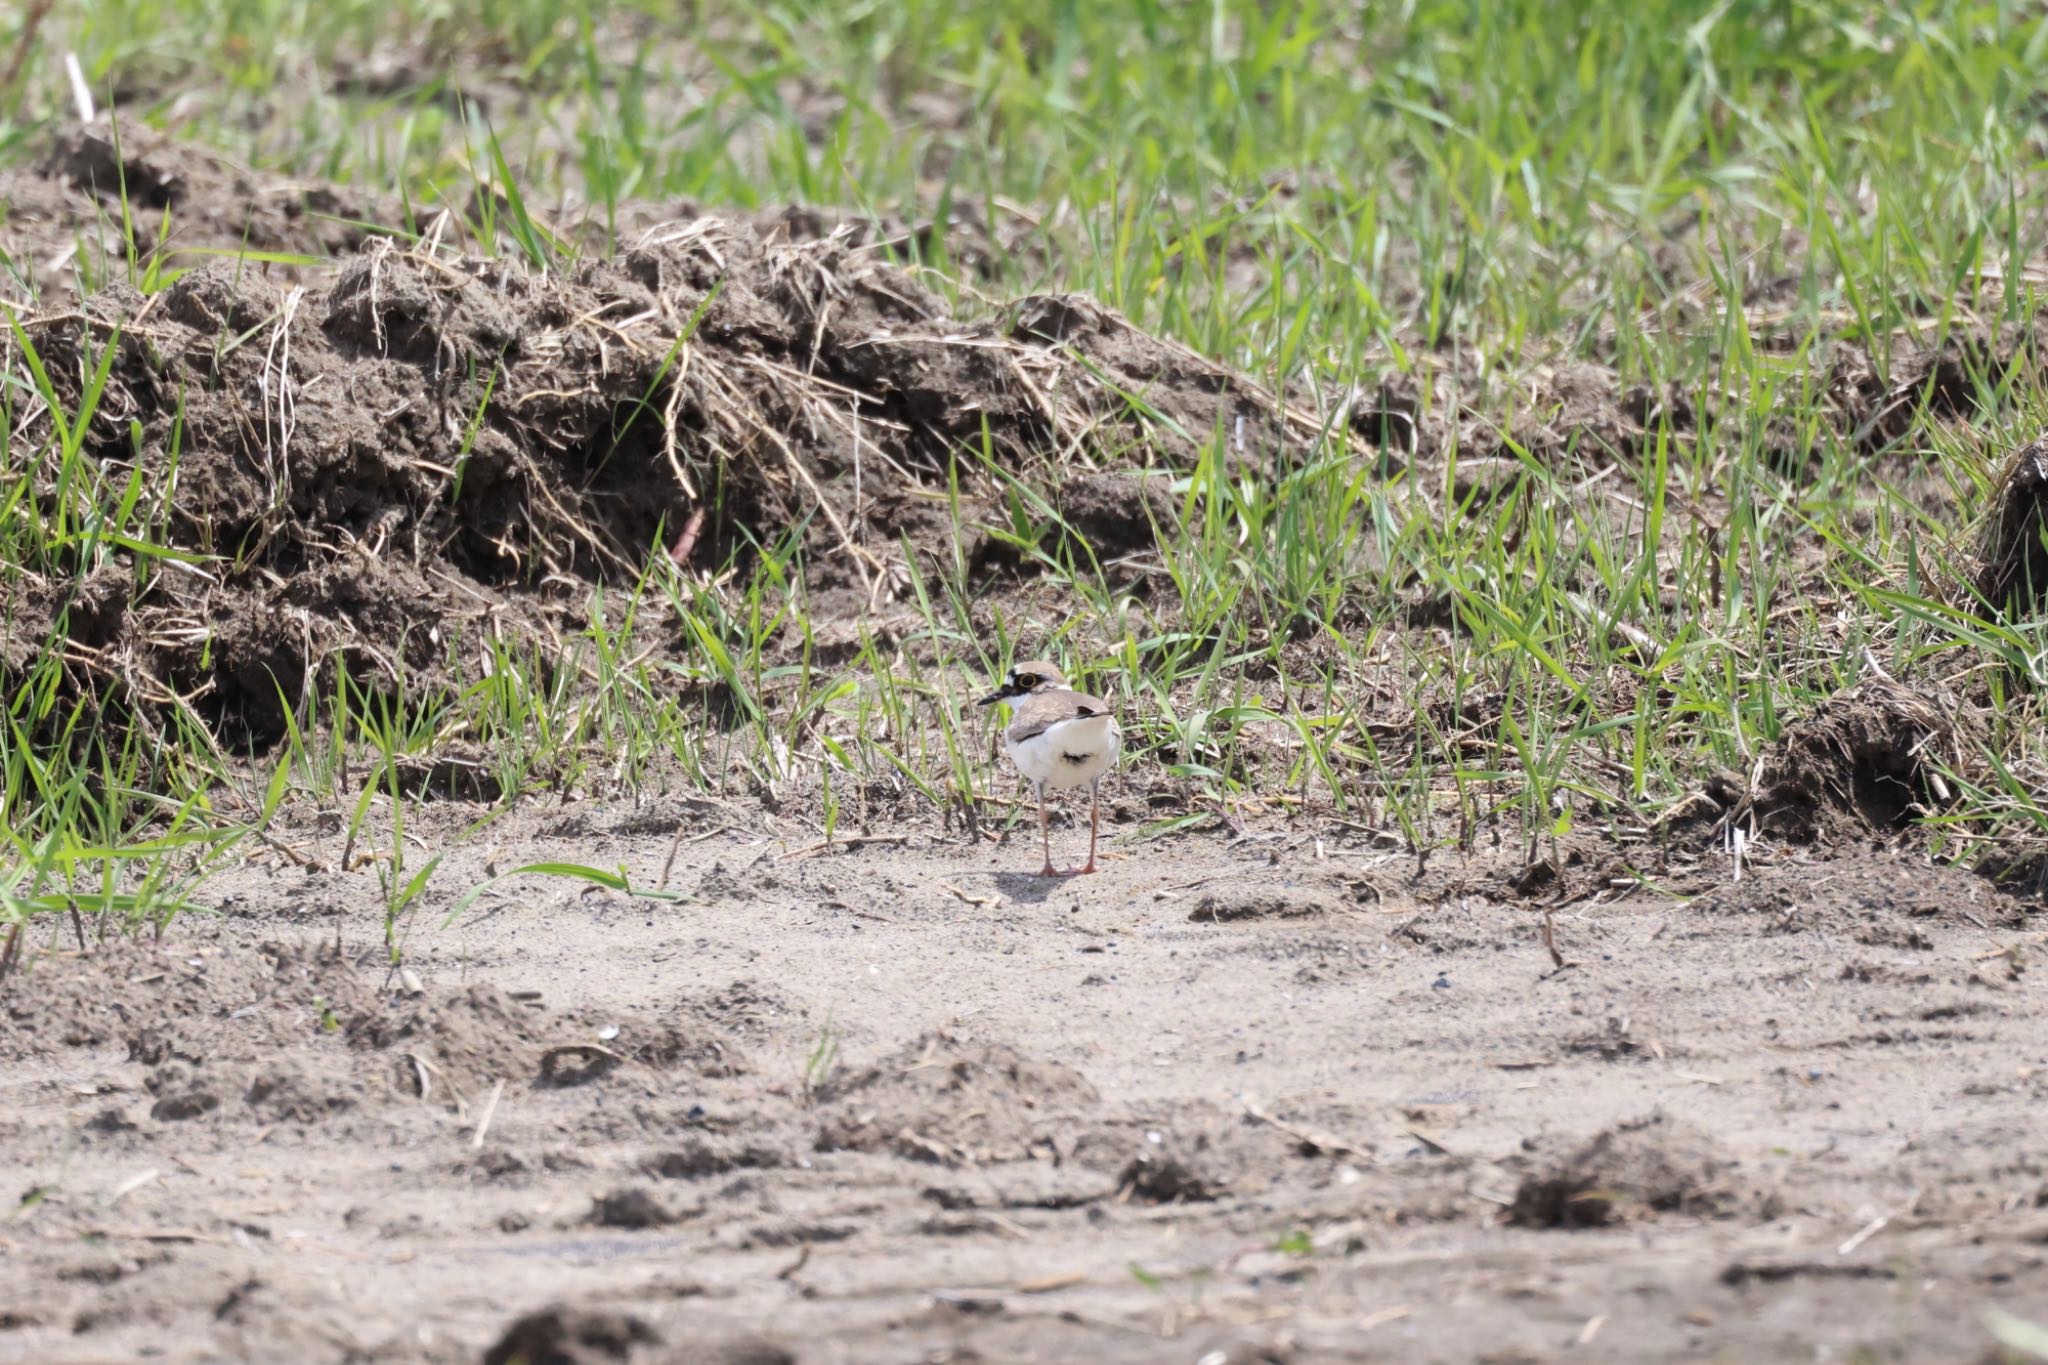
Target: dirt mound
[(289, 1033), (1888, 903), (1583, 414), (74, 213), (1867, 761), (1167, 1180), (594, 1336), (572, 1336), (748, 1008), (467, 1040), (1115, 513), (955, 1100), (416, 453), (2012, 577), (1658, 1164), (1950, 378), (1574, 410), (1252, 899), (156, 998), (1189, 1153), (699, 1156)]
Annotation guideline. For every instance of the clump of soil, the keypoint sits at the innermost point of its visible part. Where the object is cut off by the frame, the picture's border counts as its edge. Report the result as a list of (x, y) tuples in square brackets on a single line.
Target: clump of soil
[(954, 1100), (1188, 401), (2013, 573), (158, 1000), (1882, 903), (1658, 1164), (289, 1090), (1573, 412), (1865, 762), (289, 1033), (633, 1207), (1582, 414), (1943, 380), (1116, 513), (573, 1336), (1165, 1179), (457, 1045), (564, 1335), (69, 203), (1247, 900), (747, 1008), (696, 1157)]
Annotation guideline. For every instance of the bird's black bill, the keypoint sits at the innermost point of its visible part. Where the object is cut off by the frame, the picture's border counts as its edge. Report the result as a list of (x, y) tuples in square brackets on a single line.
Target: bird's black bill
[(992, 698)]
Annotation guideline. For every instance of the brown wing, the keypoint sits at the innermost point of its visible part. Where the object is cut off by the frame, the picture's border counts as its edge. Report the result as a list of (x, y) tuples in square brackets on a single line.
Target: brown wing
[(1042, 710)]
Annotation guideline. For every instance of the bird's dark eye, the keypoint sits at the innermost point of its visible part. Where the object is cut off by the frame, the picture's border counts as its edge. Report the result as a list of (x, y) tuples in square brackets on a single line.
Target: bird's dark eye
[(1027, 680)]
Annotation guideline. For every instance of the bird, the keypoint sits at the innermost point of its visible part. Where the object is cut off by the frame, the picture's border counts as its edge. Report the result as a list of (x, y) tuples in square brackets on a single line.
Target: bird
[(1058, 738)]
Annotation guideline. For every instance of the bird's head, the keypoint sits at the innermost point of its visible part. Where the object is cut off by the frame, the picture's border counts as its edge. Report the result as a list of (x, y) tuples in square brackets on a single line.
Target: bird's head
[(1025, 678)]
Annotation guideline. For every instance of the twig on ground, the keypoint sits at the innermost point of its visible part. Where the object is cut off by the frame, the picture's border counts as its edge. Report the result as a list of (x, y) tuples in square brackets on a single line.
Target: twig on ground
[(483, 1123), (1328, 1144), (38, 10), (845, 841), (1550, 939)]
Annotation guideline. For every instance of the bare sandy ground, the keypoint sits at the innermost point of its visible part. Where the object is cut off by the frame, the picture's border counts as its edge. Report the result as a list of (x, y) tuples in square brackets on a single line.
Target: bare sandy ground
[(1274, 1096)]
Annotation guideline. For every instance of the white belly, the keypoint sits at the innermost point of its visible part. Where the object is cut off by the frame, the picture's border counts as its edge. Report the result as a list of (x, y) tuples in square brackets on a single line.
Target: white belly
[(1072, 753)]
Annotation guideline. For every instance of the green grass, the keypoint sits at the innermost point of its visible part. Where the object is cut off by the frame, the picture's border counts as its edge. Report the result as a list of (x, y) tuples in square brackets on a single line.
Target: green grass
[(1442, 195)]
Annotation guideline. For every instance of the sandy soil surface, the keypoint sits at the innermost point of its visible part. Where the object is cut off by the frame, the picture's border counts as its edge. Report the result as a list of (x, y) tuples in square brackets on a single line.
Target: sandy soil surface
[(1273, 1096)]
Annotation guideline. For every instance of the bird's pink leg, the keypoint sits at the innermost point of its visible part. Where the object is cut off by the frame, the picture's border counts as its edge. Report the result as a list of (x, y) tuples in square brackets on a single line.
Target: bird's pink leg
[(1094, 820), (1045, 833)]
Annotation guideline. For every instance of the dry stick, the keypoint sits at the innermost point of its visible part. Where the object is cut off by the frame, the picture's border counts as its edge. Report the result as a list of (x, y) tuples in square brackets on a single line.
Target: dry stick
[(686, 543), (845, 841), (297, 858), (33, 20), (1550, 940), (1328, 1143), (668, 434), (278, 454), (81, 93), (483, 1123), (1863, 1234), (10, 951), (668, 864)]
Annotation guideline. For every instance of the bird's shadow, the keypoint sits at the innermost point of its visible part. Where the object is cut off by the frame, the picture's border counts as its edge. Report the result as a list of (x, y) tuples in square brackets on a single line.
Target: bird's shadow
[(1029, 887)]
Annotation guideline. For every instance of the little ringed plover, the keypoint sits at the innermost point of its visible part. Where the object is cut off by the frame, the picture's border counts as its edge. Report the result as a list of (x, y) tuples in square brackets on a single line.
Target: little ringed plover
[(1058, 738)]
